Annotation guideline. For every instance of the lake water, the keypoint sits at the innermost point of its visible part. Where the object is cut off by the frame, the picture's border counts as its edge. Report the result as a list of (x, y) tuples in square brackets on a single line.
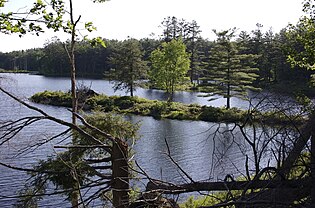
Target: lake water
[(191, 142)]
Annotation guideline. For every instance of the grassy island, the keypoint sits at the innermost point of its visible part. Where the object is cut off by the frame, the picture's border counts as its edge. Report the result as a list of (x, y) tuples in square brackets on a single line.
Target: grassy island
[(161, 109), (13, 71)]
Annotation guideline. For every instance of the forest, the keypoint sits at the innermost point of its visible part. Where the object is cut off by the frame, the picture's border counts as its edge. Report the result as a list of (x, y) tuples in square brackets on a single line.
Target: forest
[(92, 160), (269, 52)]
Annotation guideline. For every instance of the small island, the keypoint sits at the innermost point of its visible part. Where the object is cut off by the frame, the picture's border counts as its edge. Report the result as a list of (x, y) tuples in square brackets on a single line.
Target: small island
[(162, 109)]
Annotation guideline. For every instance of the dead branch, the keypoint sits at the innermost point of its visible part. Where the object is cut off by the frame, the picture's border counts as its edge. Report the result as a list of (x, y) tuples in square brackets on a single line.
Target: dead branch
[(223, 186)]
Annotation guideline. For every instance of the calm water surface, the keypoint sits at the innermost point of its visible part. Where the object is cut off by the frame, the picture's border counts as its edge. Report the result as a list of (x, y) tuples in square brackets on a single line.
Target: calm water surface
[(191, 142)]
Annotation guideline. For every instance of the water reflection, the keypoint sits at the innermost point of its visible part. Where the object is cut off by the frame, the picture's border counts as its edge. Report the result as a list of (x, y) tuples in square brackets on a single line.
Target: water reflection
[(191, 143), (27, 85)]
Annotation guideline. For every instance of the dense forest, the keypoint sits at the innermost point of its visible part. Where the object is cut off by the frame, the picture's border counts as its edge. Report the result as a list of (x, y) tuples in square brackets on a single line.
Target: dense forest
[(269, 49)]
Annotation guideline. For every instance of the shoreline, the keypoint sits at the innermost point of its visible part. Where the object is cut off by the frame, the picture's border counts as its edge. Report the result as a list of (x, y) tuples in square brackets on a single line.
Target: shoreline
[(163, 109)]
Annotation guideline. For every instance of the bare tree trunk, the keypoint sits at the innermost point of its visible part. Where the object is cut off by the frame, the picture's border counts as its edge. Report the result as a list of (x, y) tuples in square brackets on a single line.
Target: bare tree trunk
[(73, 86), (131, 89), (72, 63), (75, 195), (120, 182), (307, 132), (313, 170), (228, 94)]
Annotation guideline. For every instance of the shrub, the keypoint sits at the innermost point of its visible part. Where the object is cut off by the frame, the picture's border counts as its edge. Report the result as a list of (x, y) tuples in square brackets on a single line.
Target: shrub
[(124, 102), (209, 113), (106, 103), (232, 115), (57, 98), (163, 109)]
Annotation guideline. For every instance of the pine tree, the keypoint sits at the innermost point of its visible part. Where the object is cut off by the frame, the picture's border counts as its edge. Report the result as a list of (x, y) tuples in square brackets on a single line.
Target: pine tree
[(128, 64), (192, 42), (229, 73)]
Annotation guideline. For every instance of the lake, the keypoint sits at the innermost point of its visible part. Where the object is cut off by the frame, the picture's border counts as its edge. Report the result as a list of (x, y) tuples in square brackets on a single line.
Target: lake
[(191, 143)]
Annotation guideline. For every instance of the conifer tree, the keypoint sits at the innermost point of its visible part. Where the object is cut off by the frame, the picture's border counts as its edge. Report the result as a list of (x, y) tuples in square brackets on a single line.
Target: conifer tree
[(129, 65), (229, 73)]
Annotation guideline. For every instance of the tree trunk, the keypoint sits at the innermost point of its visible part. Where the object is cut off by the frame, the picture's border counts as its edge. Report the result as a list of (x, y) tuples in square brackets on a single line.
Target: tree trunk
[(73, 87), (131, 90), (75, 195), (228, 93), (228, 105), (313, 170), (120, 181), (72, 64), (168, 188), (75, 199)]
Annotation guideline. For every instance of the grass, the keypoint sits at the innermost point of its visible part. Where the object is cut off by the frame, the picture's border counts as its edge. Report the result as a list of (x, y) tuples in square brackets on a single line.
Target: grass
[(13, 71), (161, 109)]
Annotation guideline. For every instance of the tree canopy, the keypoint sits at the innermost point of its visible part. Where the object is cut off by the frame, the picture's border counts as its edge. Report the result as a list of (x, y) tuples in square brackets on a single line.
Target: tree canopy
[(129, 67), (169, 65), (229, 73)]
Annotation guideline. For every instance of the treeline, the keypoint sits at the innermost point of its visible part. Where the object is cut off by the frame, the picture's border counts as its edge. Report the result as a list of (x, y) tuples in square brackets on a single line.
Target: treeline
[(271, 51), (52, 59)]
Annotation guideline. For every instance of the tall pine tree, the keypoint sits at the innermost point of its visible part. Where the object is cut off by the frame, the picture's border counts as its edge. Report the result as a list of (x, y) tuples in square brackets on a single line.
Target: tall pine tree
[(229, 73), (129, 66)]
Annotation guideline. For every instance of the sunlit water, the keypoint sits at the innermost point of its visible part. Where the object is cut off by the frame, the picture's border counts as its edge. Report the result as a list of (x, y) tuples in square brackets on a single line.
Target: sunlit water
[(191, 143)]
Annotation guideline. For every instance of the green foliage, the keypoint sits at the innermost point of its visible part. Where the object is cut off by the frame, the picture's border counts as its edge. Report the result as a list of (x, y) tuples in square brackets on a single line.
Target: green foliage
[(301, 166), (13, 71), (50, 14), (210, 113), (129, 67), (164, 109), (105, 102), (169, 65), (299, 170), (229, 73), (305, 103), (112, 124), (174, 28), (27, 199), (209, 200), (19, 22), (301, 51), (57, 98), (94, 42), (68, 169), (124, 102)]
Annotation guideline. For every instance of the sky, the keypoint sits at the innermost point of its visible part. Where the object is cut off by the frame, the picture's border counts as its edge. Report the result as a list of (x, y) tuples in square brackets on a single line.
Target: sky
[(120, 19)]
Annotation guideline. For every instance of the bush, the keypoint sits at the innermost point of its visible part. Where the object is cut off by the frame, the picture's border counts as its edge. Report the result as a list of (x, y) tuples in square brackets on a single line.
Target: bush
[(157, 109), (232, 115), (163, 109), (180, 115), (124, 102), (209, 113), (106, 103), (57, 98), (210, 200)]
